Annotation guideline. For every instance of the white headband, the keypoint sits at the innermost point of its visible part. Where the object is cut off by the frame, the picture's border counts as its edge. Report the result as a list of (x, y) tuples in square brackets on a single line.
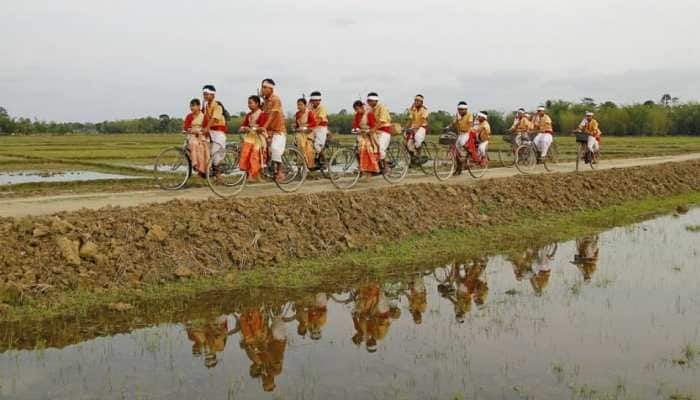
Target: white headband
[(209, 91), (369, 98), (540, 108), (315, 98), (589, 114), (482, 115), (462, 107)]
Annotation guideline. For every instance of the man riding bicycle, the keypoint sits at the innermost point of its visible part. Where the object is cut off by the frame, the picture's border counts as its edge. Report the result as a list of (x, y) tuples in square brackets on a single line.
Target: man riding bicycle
[(463, 123), (274, 125), (384, 127), (214, 126), (321, 129), (542, 124), (589, 126), (417, 126), (520, 127)]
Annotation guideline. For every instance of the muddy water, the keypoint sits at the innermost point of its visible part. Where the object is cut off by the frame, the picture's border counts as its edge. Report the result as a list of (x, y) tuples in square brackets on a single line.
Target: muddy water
[(13, 178), (611, 316)]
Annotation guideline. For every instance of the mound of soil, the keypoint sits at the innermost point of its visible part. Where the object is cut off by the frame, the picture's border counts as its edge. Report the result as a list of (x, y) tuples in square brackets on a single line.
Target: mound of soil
[(152, 244)]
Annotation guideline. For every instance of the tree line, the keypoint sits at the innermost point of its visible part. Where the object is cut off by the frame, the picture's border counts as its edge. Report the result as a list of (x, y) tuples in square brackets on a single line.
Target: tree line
[(666, 117)]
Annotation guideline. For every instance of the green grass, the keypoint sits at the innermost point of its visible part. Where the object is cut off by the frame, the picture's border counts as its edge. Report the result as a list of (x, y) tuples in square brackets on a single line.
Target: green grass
[(384, 259), (693, 228)]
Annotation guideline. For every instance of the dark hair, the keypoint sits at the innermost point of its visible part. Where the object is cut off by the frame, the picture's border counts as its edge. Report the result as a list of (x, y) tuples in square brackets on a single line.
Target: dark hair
[(268, 80), (372, 94), (210, 87), (315, 93), (462, 103), (484, 112), (420, 95), (357, 103), (195, 102), (302, 100), (255, 98)]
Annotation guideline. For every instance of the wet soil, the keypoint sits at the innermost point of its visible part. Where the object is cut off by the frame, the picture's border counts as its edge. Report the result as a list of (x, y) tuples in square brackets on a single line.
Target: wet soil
[(152, 244)]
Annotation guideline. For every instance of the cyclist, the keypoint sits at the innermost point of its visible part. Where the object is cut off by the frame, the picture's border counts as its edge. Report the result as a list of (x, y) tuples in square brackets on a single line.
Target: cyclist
[(321, 129), (214, 126), (274, 125), (198, 142), (252, 142), (305, 118), (366, 142), (589, 126), (417, 126), (520, 127), (463, 123), (479, 138), (542, 124), (384, 127)]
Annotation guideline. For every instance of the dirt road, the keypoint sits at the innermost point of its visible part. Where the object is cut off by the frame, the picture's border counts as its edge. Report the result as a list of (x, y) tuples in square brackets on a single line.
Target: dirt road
[(43, 205)]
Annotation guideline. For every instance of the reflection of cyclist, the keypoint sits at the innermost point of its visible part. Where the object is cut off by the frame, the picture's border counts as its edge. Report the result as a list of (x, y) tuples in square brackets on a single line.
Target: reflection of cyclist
[(372, 316), (466, 286), (252, 143), (417, 299), (208, 338), (264, 340), (311, 315), (535, 266), (586, 258)]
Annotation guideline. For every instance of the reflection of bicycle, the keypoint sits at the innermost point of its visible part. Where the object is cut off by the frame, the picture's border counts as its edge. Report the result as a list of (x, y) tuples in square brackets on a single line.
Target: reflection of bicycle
[(345, 170), (427, 152), (592, 158), (447, 160), (173, 168), (527, 155)]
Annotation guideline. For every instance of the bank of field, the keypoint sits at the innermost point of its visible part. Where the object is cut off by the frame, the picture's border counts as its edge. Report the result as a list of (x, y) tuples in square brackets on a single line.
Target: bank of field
[(133, 155)]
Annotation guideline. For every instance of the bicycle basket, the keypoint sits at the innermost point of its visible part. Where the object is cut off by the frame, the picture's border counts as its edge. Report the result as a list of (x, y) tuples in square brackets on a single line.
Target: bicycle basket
[(447, 139), (582, 137)]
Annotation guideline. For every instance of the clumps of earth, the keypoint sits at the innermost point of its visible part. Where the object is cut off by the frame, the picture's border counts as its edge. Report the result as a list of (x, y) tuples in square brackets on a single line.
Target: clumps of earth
[(179, 240)]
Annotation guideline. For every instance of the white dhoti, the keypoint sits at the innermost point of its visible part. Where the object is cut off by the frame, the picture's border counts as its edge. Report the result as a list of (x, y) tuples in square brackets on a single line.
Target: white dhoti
[(419, 137), (277, 146), (593, 145), (483, 147), (384, 139), (543, 141), (320, 135), (218, 146)]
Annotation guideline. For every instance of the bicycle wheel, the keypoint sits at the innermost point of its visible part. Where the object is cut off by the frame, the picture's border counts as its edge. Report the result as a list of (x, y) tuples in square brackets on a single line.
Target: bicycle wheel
[(580, 154), (425, 162), (525, 158), (444, 164), (230, 180), (172, 168), (506, 158), (552, 157), (477, 169), (344, 169), (399, 163), (294, 169), (595, 159)]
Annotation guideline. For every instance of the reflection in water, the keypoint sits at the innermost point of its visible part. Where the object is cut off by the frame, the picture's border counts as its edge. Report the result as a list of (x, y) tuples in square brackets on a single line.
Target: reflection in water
[(586, 258), (415, 325)]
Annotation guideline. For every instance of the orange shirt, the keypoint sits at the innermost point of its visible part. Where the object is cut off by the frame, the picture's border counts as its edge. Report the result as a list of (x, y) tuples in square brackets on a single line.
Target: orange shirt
[(276, 120), (320, 115)]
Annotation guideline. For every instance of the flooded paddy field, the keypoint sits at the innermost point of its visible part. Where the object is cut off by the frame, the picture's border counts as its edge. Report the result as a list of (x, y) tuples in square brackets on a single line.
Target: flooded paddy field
[(19, 177), (609, 316)]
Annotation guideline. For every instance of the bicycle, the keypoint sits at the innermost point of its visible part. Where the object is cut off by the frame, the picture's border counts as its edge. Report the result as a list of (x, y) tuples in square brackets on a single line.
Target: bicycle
[(446, 164), (592, 158), (345, 170), (527, 155), (507, 157), (173, 169), (330, 147), (428, 151), (294, 168)]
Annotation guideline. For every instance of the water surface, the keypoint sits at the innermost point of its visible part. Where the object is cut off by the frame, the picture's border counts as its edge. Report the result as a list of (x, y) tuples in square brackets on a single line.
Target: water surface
[(610, 316)]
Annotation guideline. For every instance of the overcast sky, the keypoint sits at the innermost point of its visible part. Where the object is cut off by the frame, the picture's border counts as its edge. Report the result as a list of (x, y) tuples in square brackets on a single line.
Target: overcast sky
[(91, 60)]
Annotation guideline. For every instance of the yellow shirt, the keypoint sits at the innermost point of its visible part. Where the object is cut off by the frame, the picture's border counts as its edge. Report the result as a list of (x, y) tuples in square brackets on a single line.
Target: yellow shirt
[(521, 125), (464, 124), (381, 113), (543, 124), (214, 114), (419, 117), (483, 130), (320, 114), (592, 128)]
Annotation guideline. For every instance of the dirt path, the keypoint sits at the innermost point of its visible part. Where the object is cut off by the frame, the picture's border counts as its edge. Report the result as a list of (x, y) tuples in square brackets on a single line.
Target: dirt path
[(43, 205)]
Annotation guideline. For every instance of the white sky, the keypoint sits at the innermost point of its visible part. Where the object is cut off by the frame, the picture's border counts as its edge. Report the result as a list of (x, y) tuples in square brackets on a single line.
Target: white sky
[(90, 60)]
